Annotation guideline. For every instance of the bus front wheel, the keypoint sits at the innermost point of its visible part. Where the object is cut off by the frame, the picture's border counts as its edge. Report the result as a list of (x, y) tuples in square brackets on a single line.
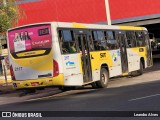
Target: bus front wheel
[(104, 78)]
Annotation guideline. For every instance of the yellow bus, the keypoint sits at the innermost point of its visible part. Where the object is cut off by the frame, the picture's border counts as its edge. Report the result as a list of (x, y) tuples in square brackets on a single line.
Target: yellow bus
[(75, 54)]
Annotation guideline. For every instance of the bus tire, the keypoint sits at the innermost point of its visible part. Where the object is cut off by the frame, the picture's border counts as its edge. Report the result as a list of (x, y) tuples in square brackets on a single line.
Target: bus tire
[(104, 78)]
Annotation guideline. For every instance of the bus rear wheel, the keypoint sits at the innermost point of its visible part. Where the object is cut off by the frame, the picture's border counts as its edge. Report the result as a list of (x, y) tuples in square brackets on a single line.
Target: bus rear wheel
[(104, 78)]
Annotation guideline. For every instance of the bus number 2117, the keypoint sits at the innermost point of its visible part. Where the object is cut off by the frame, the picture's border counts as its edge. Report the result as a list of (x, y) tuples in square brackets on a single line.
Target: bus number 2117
[(18, 68)]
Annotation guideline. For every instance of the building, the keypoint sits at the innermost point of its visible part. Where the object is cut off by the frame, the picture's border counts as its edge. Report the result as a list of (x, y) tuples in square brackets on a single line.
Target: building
[(124, 12)]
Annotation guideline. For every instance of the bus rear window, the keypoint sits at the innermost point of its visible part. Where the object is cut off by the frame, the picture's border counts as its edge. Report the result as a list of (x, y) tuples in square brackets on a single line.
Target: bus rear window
[(30, 38)]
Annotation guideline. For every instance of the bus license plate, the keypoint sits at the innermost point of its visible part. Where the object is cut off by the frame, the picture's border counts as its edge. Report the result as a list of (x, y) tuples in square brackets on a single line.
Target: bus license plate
[(35, 84)]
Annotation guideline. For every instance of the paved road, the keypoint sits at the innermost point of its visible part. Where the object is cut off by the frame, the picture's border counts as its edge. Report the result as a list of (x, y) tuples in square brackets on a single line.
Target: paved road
[(129, 98), (140, 93)]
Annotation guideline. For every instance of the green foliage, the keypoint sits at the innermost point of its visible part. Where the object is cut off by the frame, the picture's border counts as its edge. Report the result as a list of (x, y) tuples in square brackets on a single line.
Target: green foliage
[(10, 13)]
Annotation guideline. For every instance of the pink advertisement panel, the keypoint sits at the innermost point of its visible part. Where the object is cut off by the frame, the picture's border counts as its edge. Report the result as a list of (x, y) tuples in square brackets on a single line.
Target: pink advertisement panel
[(30, 38)]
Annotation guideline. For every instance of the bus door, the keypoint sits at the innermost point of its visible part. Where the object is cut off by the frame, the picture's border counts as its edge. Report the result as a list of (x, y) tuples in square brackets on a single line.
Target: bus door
[(85, 57), (123, 51), (149, 50)]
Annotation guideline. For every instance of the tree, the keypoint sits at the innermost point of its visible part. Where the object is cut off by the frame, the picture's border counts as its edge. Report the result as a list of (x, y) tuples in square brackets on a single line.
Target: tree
[(10, 13)]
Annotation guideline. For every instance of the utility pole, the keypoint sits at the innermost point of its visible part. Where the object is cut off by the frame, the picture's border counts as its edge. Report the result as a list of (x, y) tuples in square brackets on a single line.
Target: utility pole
[(108, 12)]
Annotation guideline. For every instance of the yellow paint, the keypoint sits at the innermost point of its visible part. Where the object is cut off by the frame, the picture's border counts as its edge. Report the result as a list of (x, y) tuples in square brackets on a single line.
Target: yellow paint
[(4, 81), (97, 60), (131, 28), (40, 63), (78, 25), (124, 74), (141, 54), (44, 82), (80, 62), (59, 80), (31, 53)]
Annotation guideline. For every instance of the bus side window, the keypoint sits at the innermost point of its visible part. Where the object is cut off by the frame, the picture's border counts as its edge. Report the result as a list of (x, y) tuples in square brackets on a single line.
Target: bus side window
[(140, 39), (67, 42), (131, 42), (111, 41), (146, 37), (95, 40), (61, 43), (91, 46), (99, 40), (72, 47)]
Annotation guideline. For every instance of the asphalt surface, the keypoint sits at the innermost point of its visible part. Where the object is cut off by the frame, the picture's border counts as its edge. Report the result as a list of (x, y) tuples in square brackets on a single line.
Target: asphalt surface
[(141, 93), (144, 97)]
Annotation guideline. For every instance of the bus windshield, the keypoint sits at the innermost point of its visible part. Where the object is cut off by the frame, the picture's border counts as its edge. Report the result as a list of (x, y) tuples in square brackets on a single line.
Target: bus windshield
[(30, 38)]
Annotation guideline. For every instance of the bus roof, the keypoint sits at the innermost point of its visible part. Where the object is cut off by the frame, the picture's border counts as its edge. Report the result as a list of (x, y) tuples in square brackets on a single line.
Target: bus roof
[(83, 26)]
